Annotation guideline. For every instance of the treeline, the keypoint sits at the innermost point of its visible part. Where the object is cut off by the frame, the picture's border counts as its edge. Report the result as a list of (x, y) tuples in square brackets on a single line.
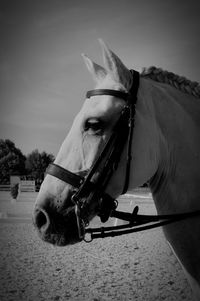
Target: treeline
[(14, 162)]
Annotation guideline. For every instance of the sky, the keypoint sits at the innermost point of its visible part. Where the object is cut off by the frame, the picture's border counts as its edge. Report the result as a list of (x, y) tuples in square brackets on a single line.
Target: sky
[(43, 79)]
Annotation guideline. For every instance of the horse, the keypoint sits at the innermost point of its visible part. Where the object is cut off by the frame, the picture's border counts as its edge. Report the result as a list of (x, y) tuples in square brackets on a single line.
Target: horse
[(163, 150)]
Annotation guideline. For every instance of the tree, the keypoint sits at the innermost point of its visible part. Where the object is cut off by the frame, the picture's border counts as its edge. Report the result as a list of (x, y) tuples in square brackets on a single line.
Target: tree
[(36, 163), (12, 161)]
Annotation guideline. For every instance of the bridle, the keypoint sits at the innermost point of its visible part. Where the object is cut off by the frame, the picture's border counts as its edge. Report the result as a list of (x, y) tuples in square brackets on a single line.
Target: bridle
[(91, 187)]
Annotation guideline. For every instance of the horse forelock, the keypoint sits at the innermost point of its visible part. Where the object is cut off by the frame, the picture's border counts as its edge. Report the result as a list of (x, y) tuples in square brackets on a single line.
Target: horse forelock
[(179, 82)]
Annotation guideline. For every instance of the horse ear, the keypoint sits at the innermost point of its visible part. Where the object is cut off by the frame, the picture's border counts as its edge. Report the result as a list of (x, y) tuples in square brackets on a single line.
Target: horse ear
[(98, 72), (114, 65)]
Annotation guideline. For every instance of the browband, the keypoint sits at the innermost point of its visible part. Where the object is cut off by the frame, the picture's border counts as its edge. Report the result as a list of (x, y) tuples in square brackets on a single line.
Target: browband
[(119, 94)]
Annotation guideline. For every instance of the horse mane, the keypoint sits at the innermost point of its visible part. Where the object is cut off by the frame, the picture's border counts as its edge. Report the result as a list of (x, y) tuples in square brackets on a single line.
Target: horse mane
[(179, 82)]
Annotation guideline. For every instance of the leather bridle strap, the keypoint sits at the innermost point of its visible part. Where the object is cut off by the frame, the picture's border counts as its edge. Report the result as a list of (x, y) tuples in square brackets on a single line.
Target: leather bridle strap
[(137, 223), (132, 104), (64, 175), (118, 94)]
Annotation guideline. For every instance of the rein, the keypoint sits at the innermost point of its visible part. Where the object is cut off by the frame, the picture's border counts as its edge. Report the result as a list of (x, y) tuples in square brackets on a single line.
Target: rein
[(89, 188), (137, 223)]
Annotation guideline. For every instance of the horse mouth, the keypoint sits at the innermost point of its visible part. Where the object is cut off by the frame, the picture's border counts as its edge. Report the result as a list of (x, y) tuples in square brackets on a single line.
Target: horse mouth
[(62, 228)]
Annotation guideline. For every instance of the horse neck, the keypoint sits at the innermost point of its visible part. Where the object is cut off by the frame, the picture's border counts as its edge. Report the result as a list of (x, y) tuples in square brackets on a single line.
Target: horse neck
[(175, 184)]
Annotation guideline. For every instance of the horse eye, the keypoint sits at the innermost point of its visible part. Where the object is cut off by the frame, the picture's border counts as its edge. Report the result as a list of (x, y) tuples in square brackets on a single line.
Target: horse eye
[(93, 126)]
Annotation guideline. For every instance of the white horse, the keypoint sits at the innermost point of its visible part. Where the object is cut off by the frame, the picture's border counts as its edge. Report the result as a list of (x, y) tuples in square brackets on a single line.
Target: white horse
[(165, 152)]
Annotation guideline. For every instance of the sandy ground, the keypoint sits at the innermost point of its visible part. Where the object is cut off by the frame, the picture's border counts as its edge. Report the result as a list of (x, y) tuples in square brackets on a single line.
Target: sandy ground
[(137, 266)]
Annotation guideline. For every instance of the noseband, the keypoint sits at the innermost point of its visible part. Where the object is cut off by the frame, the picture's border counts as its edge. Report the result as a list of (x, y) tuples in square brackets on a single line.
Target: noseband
[(93, 187)]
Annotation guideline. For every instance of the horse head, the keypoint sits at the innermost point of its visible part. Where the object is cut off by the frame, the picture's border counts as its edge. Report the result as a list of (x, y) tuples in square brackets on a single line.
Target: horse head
[(55, 214)]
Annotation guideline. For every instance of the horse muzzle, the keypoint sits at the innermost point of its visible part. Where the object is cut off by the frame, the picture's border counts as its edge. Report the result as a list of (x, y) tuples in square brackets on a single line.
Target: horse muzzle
[(59, 228)]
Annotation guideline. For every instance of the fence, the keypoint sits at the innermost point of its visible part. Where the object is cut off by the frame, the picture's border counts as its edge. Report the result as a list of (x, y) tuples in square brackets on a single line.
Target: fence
[(24, 186), (27, 186), (5, 187)]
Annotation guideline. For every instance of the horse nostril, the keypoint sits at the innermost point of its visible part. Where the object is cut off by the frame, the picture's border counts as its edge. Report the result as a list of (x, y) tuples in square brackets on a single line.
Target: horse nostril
[(41, 219)]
